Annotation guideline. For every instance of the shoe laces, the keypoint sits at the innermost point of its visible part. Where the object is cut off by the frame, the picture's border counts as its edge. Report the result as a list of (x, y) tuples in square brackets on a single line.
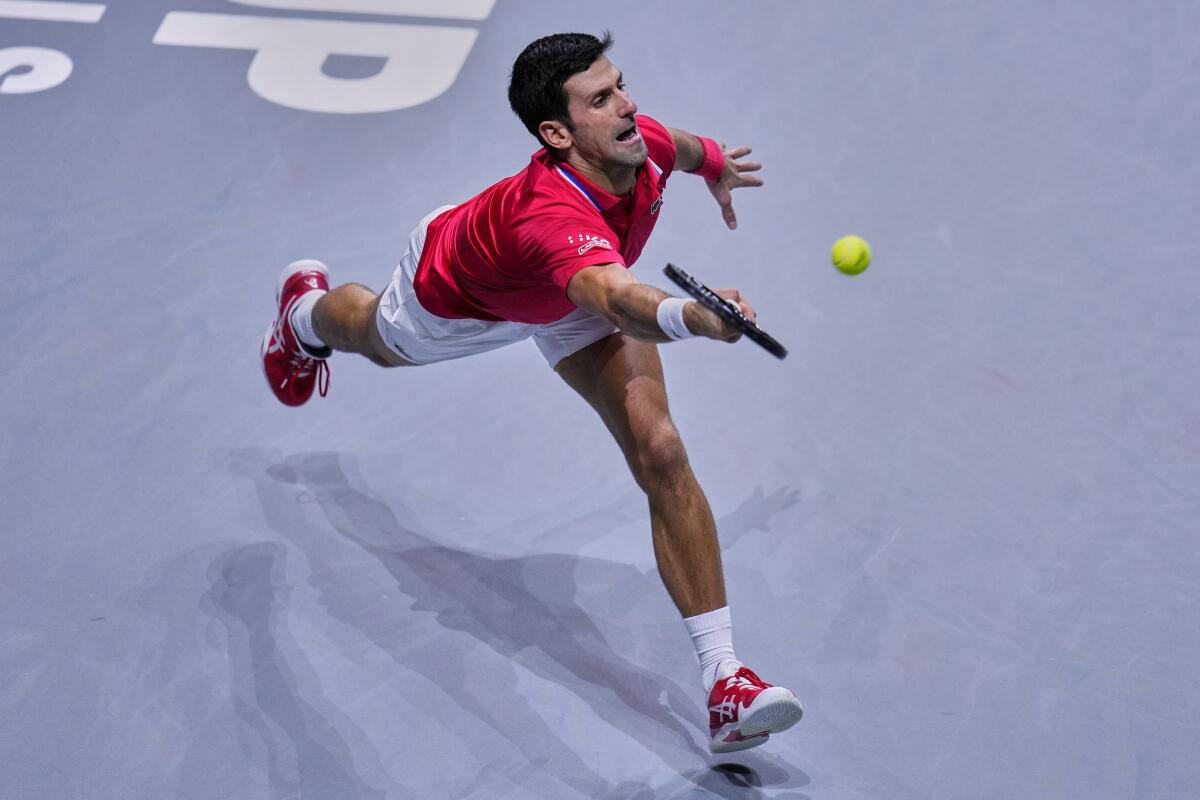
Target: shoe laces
[(742, 681), (302, 366), (322, 377), (746, 672)]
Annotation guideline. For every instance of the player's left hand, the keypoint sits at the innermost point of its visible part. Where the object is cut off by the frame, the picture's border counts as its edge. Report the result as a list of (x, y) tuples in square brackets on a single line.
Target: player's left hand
[(733, 177)]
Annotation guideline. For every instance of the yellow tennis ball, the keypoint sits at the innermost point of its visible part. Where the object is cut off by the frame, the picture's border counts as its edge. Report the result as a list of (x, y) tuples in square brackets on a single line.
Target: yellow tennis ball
[(851, 254)]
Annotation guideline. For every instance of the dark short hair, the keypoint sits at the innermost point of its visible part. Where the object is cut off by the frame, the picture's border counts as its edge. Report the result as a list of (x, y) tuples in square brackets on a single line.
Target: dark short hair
[(535, 89)]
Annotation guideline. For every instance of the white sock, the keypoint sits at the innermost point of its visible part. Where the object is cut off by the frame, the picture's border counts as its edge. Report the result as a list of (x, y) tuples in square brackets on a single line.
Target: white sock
[(302, 322), (712, 633)]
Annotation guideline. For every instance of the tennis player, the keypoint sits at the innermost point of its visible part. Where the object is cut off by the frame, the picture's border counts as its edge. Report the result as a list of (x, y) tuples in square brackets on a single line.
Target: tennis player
[(545, 254)]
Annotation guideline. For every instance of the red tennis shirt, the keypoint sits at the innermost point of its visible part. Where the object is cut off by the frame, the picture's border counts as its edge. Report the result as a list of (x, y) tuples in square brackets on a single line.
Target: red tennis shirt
[(509, 252)]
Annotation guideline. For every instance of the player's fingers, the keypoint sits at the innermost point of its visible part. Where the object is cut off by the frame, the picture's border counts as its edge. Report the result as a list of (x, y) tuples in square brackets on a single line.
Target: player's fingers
[(739, 152), (747, 166), (743, 305), (749, 180), (735, 296), (730, 217)]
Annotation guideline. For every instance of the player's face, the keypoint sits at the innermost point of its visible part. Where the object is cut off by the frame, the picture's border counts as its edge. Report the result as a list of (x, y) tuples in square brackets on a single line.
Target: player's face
[(602, 112)]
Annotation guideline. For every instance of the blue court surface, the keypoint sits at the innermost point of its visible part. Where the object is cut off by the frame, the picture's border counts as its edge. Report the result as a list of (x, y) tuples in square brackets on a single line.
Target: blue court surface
[(960, 520)]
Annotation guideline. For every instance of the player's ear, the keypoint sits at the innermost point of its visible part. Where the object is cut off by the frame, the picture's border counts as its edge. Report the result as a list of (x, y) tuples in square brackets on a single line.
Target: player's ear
[(555, 134)]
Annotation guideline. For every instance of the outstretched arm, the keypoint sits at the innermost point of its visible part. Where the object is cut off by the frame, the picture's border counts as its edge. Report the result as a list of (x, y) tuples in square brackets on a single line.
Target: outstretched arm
[(611, 291), (722, 169)]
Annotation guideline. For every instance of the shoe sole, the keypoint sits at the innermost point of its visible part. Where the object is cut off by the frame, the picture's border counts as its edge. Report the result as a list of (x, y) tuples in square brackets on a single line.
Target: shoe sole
[(734, 747), (773, 711), (262, 351)]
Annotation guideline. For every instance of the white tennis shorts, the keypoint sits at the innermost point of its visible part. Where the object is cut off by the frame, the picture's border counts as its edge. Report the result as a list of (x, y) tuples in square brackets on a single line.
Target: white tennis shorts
[(424, 338)]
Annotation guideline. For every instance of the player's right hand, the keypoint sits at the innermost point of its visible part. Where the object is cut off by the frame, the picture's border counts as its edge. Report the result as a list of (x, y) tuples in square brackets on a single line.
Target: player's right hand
[(703, 322)]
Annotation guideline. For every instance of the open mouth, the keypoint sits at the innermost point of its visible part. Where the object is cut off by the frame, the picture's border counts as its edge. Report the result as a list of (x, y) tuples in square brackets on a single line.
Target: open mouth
[(629, 135)]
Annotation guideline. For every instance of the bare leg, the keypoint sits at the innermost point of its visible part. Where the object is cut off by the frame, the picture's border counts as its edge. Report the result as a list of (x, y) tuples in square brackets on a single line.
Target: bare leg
[(622, 379), (345, 320)]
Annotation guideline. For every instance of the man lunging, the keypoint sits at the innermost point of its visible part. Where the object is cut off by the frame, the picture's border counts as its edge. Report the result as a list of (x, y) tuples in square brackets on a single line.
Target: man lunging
[(545, 254)]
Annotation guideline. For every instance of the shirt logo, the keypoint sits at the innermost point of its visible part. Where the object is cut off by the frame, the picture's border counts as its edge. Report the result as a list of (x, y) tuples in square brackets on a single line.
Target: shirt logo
[(589, 242), (597, 242), (656, 205)]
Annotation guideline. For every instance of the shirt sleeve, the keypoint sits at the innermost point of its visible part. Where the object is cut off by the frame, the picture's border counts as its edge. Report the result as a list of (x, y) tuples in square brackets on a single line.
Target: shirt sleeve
[(659, 143), (560, 246)]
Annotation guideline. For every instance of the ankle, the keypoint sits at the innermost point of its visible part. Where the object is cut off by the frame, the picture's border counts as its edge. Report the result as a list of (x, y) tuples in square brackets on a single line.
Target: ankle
[(712, 635), (302, 321)]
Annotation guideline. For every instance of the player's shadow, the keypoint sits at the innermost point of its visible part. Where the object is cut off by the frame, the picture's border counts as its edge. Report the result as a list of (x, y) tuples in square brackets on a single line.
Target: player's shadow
[(522, 608), (304, 754)]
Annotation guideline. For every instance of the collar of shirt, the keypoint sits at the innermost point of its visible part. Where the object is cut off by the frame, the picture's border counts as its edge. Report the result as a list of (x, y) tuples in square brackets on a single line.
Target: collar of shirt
[(601, 200)]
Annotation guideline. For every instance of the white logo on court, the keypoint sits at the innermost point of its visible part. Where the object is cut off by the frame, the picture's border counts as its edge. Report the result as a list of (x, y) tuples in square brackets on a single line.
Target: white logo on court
[(45, 68), (419, 62)]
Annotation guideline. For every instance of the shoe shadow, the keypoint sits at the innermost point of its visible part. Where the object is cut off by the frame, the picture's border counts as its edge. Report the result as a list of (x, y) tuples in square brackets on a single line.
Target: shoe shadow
[(744, 779)]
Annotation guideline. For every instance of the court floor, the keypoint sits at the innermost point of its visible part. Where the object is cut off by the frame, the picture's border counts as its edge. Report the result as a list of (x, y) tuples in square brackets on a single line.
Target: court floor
[(960, 520)]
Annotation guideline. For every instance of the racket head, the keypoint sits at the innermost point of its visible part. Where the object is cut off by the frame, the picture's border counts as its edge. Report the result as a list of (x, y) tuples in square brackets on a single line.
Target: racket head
[(726, 310)]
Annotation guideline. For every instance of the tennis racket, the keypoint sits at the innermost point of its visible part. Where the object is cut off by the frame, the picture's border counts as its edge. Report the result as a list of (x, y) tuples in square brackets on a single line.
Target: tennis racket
[(727, 310)]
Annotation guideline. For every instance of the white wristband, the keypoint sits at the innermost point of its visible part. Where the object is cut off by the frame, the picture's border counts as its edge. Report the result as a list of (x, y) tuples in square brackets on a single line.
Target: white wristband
[(670, 318)]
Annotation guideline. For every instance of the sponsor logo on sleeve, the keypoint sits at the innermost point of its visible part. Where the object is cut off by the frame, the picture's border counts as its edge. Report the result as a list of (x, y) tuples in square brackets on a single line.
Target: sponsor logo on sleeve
[(589, 241)]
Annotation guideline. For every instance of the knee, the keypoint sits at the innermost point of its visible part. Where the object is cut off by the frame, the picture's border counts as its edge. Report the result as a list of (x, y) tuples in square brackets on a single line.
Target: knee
[(659, 457)]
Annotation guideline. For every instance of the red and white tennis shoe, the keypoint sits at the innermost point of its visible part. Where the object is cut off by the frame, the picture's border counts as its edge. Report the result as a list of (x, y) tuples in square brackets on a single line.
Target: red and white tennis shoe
[(292, 368), (743, 711)]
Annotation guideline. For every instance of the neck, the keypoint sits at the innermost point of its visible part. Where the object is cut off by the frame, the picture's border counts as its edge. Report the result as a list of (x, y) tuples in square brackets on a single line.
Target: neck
[(619, 181)]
